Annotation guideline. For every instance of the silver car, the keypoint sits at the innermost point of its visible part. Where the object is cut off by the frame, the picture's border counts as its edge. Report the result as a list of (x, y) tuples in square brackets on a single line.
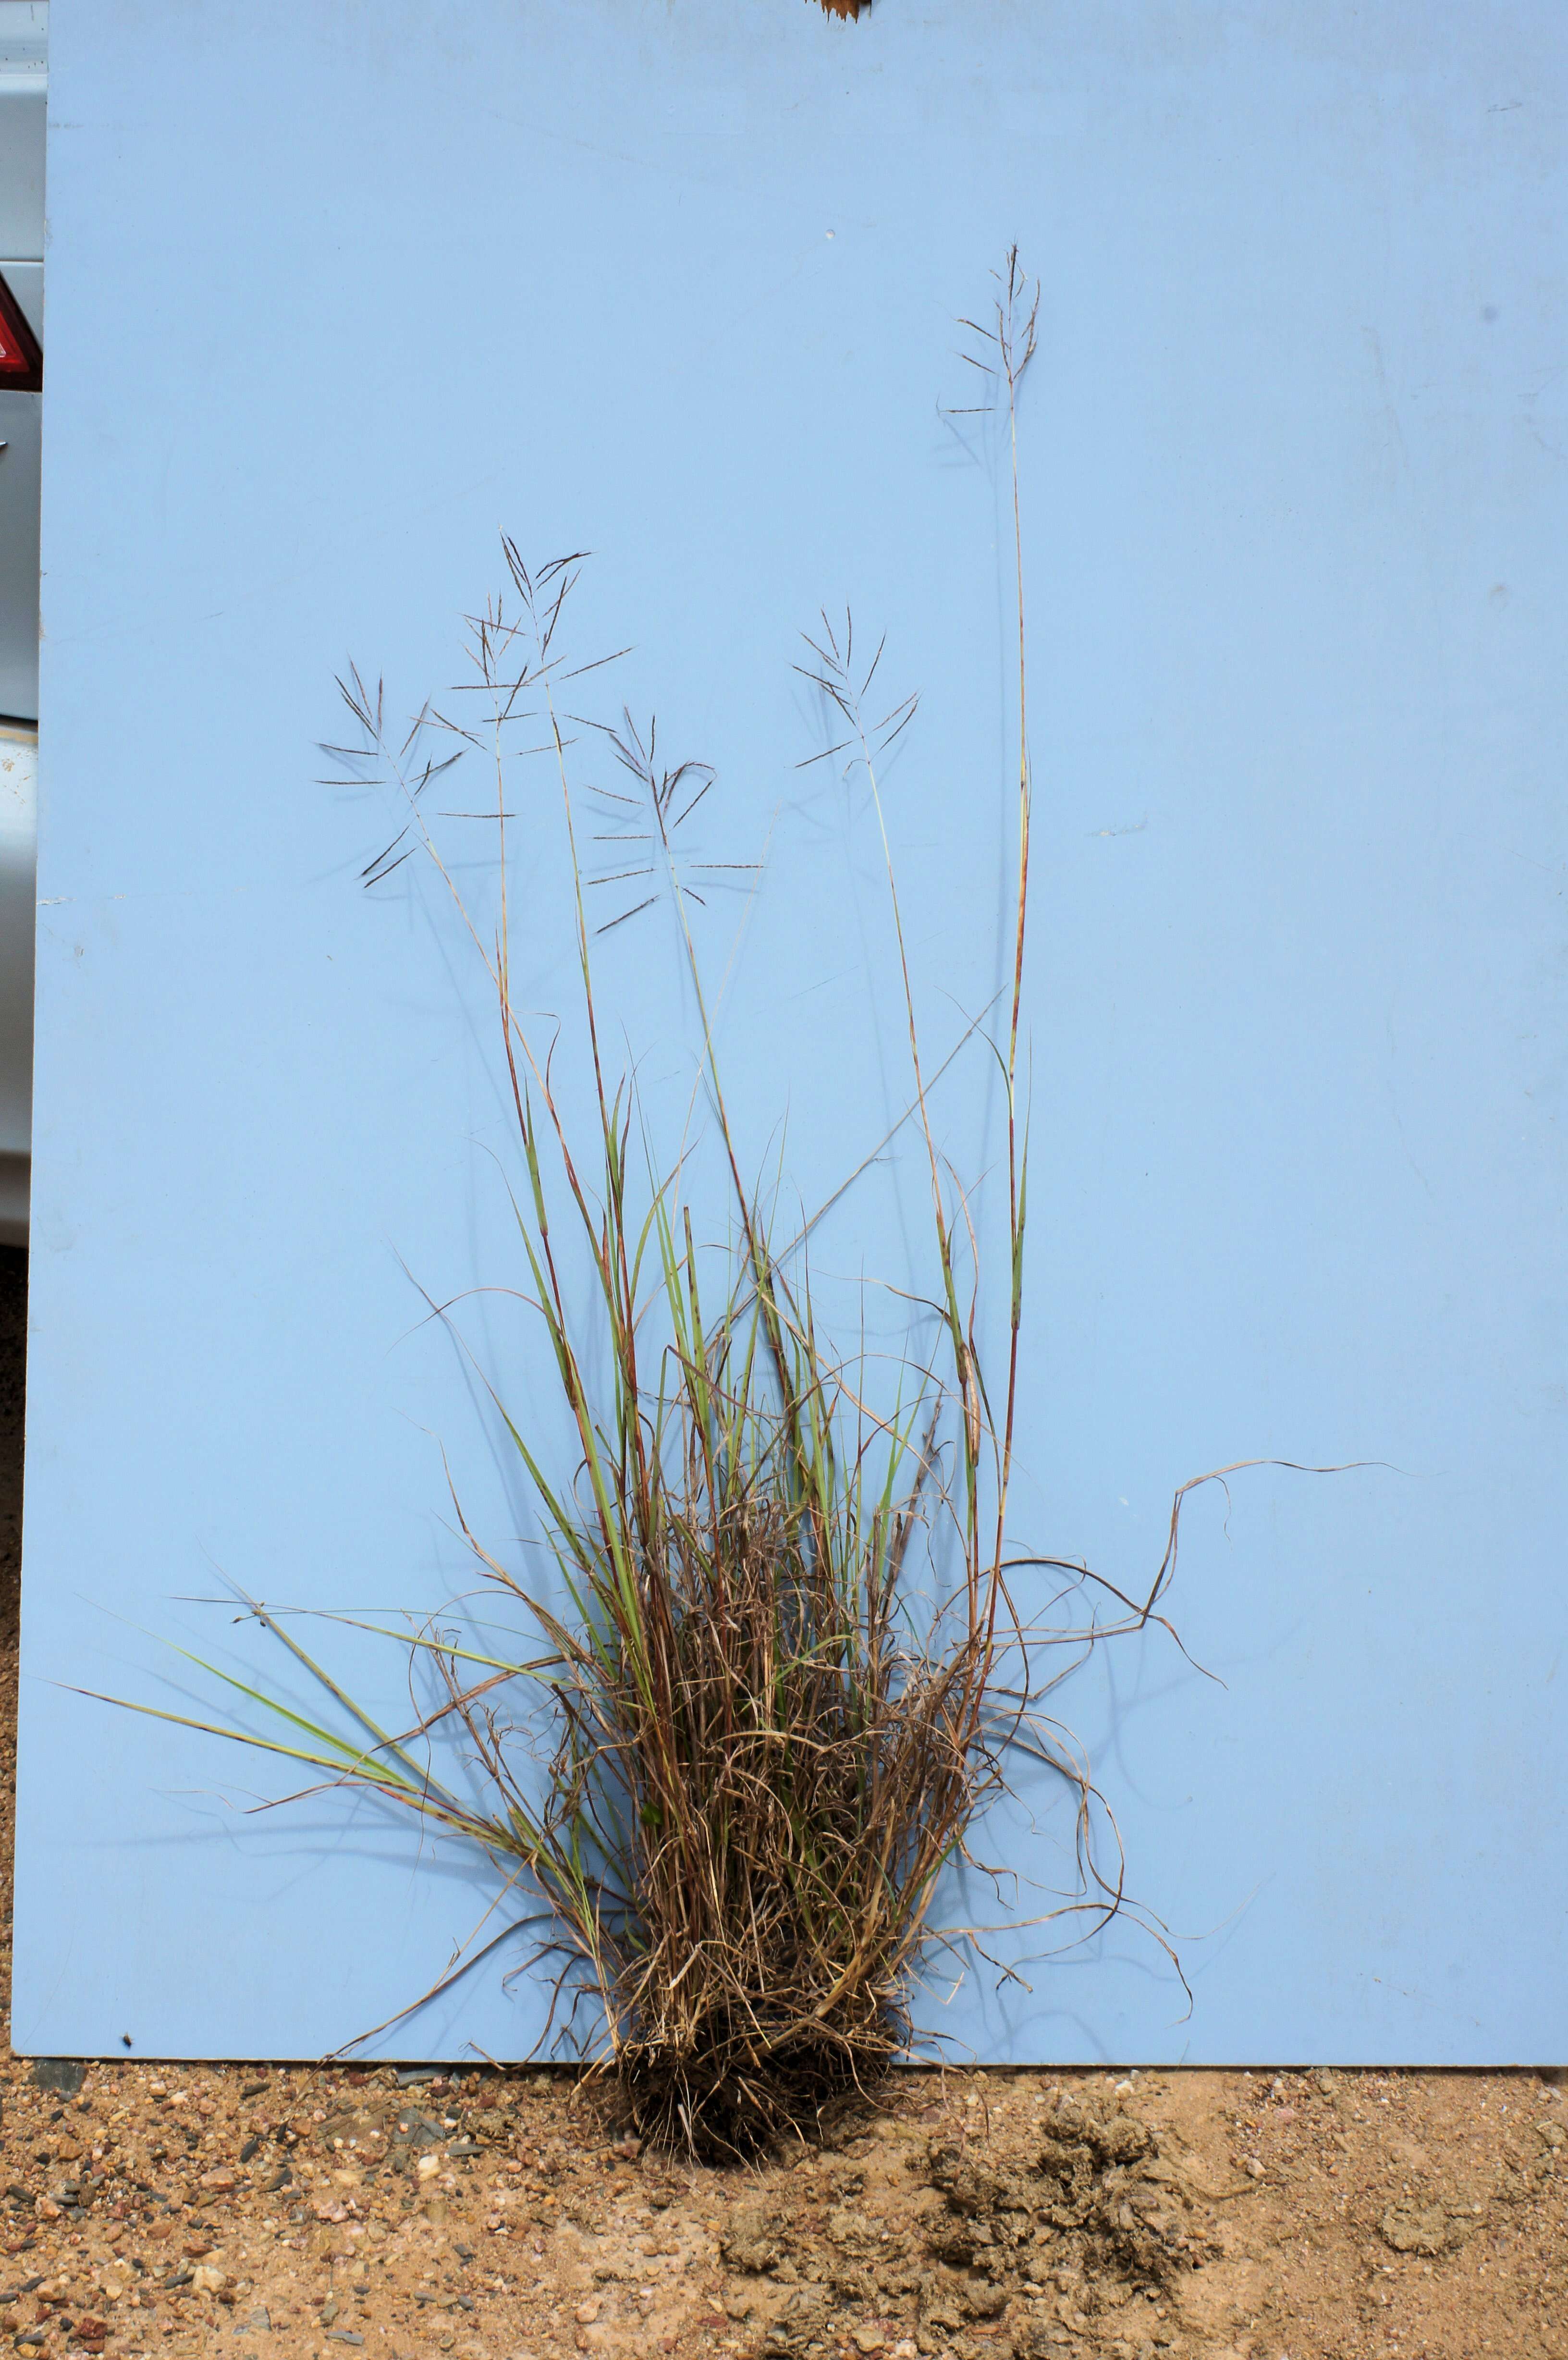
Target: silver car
[(24, 35)]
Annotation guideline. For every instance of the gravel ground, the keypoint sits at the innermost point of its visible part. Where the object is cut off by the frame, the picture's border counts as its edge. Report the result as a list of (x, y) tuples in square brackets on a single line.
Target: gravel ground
[(280, 2210)]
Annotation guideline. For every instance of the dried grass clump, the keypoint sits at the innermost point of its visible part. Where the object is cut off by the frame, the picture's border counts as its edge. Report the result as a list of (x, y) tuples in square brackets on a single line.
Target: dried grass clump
[(797, 1771), (769, 1741), (778, 1660)]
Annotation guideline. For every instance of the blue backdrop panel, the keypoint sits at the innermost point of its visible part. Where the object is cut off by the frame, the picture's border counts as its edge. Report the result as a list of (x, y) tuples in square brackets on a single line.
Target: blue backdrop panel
[(336, 294)]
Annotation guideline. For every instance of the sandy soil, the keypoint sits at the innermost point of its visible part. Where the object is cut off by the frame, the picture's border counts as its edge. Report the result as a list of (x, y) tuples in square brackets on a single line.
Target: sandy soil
[(285, 2211)]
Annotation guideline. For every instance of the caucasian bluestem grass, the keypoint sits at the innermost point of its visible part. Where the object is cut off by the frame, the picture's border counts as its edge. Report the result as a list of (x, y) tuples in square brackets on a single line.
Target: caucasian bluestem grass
[(780, 1664)]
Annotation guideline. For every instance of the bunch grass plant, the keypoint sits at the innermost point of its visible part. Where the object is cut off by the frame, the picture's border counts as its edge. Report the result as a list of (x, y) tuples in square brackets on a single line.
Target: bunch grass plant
[(781, 1662)]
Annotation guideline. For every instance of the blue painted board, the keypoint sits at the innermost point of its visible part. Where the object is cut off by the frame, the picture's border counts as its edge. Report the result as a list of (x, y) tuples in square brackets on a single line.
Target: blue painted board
[(333, 297)]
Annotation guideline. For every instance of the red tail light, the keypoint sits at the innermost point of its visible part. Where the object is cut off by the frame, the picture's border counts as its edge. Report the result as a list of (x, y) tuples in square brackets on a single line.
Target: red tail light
[(21, 357)]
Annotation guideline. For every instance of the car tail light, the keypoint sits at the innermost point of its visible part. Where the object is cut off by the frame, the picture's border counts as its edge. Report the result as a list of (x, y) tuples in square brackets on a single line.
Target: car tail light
[(21, 358)]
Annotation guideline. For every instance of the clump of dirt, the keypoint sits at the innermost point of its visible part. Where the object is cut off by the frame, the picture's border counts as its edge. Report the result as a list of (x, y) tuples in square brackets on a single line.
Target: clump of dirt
[(1407, 2229), (752, 2243), (1008, 2235), (1097, 2215), (1438, 2212), (1099, 2198)]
